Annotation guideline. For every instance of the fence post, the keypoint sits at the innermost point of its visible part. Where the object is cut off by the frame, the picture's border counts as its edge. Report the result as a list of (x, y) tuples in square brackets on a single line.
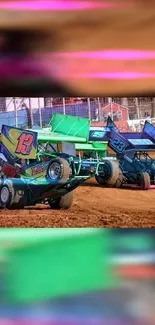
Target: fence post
[(111, 108), (16, 115), (99, 109), (137, 108), (153, 107), (89, 109), (40, 117), (64, 106), (31, 113)]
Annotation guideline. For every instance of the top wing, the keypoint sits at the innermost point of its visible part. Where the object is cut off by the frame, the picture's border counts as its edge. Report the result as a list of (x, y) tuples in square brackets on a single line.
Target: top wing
[(127, 142), (71, 126)]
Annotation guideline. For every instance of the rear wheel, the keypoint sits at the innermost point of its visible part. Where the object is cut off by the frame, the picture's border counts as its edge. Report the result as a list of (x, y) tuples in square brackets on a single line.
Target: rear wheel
[(58, 169), (19, 200), (109, 173), (64, 202), (145, 181)]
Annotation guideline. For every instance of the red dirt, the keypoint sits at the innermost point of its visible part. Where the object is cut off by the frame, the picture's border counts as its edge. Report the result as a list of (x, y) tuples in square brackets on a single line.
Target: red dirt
[(93, 207)]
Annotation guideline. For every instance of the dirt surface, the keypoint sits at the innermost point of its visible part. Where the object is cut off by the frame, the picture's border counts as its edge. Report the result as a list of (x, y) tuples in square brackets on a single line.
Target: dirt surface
[(93, 207)]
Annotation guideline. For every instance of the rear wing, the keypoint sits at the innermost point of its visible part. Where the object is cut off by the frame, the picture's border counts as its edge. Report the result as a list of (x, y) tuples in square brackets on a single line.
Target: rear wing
[(148, 133), (18, 143)]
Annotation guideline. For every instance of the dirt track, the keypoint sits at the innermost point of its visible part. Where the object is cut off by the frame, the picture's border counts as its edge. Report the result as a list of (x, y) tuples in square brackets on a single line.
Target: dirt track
[(93, 207)]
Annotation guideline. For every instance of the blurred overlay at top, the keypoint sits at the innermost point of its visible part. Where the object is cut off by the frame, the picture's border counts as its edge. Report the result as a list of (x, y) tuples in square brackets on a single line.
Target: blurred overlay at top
[(77, 47)]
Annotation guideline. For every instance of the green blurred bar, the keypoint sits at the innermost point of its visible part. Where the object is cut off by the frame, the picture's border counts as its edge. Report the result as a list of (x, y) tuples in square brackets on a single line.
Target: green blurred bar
[(41, 264)]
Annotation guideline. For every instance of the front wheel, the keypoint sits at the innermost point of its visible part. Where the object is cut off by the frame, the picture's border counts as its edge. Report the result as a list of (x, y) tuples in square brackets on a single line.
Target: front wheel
[(64, 202), (12, 196), (6, 195)]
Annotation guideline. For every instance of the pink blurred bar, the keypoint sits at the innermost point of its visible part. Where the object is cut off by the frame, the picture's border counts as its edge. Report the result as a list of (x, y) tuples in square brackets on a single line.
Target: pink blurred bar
[(111, 55), (81, 65), (21, 322), (28, 322), (34, 68), (58, 5), (103, 55), (113, 75)]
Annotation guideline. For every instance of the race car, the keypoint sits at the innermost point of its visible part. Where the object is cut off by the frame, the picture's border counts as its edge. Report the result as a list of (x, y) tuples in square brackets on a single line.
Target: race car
[(134, 153), (26, 180), (69, 138)]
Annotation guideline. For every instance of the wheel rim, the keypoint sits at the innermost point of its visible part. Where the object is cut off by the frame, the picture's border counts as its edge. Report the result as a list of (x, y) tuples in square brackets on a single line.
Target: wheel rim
[(54, 171), (4, 194)]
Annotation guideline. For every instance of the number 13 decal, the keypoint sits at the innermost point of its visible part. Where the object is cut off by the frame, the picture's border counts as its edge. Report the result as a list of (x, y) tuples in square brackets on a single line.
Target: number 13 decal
[(25, 142)]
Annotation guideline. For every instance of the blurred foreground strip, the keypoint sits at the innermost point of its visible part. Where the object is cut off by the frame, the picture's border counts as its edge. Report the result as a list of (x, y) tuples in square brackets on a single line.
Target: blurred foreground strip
[(69, 277)]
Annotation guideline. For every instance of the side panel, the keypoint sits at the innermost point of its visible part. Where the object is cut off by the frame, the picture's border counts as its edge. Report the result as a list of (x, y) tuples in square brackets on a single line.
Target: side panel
[(98, 133), (18, 143), (118, 143), (38, 170)]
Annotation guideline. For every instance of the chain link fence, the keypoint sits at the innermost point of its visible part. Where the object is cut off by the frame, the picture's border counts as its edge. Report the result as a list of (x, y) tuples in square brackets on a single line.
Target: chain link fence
[(28, 116), (127, 115)]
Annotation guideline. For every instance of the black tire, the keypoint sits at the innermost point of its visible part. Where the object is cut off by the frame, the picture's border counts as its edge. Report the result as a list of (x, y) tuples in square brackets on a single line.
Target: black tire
[(12, 196), (60, 169), (64, 202), (145, 181), (19, 200), (112, 175), (100, 180)]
